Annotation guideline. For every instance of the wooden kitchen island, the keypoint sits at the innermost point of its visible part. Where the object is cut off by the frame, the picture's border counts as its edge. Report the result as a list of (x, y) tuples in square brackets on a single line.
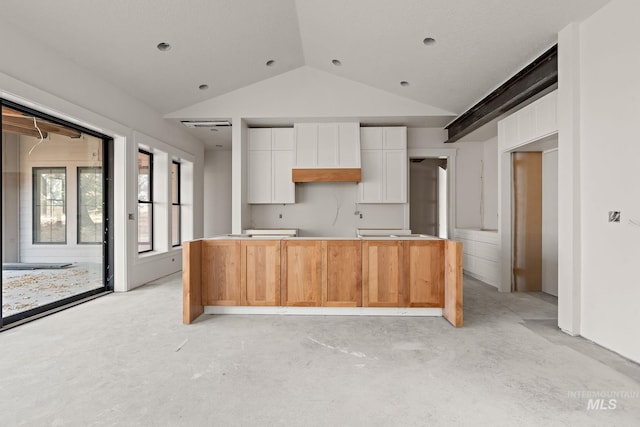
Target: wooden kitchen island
[(412, 276)]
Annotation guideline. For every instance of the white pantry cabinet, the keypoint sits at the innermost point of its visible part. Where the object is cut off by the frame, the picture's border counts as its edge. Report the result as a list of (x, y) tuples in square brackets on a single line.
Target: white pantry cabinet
[(327, 145), (270, 158), (384, 165)]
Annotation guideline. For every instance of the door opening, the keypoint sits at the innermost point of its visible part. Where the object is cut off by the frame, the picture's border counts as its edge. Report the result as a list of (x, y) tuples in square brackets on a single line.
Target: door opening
[(428, 196), (56, 209)]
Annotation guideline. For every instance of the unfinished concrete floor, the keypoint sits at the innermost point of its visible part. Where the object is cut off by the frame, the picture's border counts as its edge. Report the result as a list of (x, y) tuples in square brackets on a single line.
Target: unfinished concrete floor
[(126, 360)]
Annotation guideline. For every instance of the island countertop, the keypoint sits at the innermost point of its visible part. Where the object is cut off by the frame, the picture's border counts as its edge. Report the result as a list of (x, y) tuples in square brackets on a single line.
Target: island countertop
[(415, 275)]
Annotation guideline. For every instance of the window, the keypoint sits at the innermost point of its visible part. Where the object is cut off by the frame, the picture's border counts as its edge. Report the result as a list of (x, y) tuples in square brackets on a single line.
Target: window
[(49, 205), (175, 204), (89, 205), (145, 201)]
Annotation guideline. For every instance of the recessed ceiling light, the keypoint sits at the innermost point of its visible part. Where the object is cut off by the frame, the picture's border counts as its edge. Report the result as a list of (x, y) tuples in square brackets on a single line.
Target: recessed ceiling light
[(213, 130), (404, 83), (203, 87), (163, 47), (336, 62), (270, 63), (429, 41), (219, 145)]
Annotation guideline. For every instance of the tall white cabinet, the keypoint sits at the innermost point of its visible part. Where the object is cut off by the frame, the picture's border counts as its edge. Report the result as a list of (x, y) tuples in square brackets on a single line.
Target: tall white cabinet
[(384, 165), (270, 158)]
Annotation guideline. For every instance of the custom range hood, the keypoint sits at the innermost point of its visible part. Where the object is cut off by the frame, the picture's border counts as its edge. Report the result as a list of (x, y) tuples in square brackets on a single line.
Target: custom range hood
[(327, 152)]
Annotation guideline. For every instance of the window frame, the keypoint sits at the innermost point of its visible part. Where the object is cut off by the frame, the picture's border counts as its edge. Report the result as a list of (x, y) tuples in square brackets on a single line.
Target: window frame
[(79, 169), (146, 202), (178, 203), (35, 193)]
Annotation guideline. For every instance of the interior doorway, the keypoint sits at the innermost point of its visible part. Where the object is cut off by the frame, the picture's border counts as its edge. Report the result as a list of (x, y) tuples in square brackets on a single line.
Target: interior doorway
[(56, 208), (428, 196), (534, 218)]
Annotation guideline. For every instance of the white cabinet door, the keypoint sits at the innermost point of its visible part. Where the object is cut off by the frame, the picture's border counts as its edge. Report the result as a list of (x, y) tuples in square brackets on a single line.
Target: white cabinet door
[(283, 139), (259, 139), (259, 172), (395, 176), (394, 138), (306, 145), (370, 188), (284, 190), (328, 146), (349, 149), (371, 138)]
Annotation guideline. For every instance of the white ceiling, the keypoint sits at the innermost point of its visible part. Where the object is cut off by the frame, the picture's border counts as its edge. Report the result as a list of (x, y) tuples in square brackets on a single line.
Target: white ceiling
[(226, 43)]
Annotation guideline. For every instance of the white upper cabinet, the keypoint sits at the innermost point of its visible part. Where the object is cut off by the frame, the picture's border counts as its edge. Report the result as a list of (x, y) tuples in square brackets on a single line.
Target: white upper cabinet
[(384, 165), (270, 157), (327, 145)]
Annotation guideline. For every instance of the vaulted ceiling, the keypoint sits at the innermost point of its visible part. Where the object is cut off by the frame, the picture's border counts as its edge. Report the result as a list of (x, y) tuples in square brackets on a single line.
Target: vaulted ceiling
[(226, 44)]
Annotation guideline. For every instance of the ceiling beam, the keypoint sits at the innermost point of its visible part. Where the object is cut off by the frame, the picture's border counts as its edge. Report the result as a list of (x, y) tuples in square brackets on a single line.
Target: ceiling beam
[(22, 131), (530, 81), (26, 122)]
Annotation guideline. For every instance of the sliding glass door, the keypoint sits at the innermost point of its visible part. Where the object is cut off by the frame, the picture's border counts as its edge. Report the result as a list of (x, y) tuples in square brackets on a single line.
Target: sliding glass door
[(56, 201)]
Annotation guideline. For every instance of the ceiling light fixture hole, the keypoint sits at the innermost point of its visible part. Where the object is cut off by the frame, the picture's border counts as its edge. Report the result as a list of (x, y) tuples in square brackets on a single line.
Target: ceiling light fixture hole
[(163, 47), (203, 87), (429, 41), (336, 62), (213, 130), (404, 83), (270, 63)]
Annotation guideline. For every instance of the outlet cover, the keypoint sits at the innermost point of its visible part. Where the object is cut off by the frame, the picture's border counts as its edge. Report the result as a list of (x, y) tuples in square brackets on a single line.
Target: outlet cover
[(614, 216)]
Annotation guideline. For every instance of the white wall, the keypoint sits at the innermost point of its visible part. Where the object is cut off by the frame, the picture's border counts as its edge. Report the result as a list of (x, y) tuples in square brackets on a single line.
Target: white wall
[(609, 176), (35, 76), (490, 184), (217, 192), (469, 185), (550, 222), (327, 209)]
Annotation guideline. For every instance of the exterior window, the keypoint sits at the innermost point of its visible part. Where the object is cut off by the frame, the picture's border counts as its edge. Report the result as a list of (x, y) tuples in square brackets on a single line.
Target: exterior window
[(49, 205), (89, 205), (145, 201), (175, 204)]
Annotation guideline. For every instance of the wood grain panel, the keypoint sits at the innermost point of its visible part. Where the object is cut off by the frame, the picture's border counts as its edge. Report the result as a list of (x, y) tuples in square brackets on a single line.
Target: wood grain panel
[(424, 273), (342, 273), (260, 277), (382, 273), (527, 222), (453, 283), (301, 272), (192, 306), (327, 175), (221, 272)]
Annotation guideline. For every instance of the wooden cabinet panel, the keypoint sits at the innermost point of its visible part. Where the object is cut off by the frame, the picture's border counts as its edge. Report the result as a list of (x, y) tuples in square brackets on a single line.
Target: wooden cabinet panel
[(342, 273), (260, 276), (221, 272), (382, 273), (349, 136), (424, 273), (301, 272)]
